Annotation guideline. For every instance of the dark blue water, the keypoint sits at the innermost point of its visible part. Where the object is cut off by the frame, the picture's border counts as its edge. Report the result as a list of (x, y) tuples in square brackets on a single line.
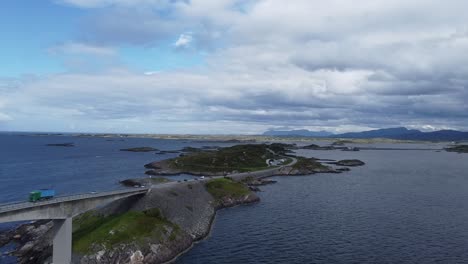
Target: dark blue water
[(402, 207), (94, 164)]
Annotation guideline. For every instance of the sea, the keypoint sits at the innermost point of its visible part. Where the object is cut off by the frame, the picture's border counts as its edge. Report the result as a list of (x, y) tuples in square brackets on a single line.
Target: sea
[(408, 204)]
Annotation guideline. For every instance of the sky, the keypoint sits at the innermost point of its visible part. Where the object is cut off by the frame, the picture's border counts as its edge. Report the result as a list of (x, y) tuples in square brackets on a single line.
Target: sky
[(232, 66)]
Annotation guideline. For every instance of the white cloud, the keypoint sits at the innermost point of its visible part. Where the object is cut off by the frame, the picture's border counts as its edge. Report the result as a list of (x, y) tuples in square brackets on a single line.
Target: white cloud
[(184, 40), (151, 72), (336, 64), (75, 48)]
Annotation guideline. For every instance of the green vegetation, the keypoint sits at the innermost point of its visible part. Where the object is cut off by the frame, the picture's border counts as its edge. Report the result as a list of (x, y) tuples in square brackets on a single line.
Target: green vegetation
[(158, 180), (281, 148), (191, 149), (459, 149), (140, 149), (248, 179), (308, 164), (241, 158), (287, 161), (225, 187), (132, 226)]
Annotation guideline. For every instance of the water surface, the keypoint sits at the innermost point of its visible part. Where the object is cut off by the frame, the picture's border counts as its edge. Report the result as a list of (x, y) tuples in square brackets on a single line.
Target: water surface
[(402, 207)]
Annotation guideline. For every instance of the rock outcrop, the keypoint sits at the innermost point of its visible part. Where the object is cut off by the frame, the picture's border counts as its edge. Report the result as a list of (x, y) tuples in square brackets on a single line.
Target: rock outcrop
[(61, 145), (140, 149), (187, 206), (457, 148), (349, 163), (34, 242)]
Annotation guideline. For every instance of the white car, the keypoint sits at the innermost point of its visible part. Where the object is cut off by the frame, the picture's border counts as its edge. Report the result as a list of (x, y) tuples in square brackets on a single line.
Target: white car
[(202, 177)]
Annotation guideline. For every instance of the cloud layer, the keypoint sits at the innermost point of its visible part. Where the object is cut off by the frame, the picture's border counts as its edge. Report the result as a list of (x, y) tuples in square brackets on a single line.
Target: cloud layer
[(337, 65)]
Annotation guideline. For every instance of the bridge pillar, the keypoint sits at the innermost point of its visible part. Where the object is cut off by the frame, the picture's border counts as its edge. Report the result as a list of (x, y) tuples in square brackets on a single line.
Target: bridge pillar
[(62, 248)]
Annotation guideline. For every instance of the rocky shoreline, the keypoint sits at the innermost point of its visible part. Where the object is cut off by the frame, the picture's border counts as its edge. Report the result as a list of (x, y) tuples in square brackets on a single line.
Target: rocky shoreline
[(310, 166), (457, 149), (189, 206), (184, 212)]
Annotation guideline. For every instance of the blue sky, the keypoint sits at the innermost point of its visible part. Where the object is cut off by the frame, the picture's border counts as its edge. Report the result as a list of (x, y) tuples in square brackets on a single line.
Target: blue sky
[(232, 66), (31, 28), (28, 29)]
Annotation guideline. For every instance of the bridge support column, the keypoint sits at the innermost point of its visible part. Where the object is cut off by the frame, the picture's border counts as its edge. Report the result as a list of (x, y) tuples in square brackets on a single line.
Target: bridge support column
[(62, 248)]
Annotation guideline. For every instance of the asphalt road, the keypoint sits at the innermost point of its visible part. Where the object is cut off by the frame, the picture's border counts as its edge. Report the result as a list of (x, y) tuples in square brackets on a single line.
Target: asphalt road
[(59, 199)]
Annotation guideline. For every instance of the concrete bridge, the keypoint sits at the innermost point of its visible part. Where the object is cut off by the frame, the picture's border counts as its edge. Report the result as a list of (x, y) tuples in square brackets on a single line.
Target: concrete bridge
[(62, 210)]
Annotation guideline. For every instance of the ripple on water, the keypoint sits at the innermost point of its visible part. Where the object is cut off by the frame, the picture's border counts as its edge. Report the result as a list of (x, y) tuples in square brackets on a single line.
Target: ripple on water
[(402, 207)]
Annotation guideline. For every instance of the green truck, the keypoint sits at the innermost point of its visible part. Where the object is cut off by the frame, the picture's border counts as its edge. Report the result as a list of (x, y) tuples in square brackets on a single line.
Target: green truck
[(42, 194)]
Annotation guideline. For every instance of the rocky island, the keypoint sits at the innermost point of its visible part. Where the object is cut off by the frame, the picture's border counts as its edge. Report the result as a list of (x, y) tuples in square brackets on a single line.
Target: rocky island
[(223, 161), (458, 149), (61, 145), (140, 149), (338, 145), (348, 163), (164, 223)]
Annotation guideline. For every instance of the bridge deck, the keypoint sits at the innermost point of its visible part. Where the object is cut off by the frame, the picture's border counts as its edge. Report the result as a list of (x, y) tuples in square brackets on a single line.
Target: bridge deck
[(59, 199)]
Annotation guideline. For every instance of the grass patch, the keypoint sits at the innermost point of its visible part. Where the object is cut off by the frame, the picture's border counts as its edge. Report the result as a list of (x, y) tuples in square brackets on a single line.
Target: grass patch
[(241, 158), (111, 230), (224, 187), (158, 180)]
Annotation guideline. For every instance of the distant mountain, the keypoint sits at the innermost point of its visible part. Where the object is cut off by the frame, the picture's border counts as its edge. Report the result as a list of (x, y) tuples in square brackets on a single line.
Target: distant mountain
[(441, 135), (298, 133), (393, 133), (403, 133)]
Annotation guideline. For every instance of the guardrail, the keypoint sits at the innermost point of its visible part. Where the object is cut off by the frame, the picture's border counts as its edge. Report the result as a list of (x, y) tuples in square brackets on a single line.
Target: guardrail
[(59, 199)]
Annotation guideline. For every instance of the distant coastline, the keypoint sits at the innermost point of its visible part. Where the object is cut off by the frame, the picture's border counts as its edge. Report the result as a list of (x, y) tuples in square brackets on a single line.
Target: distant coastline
[(393, 135), (228, 139), (183, 210)]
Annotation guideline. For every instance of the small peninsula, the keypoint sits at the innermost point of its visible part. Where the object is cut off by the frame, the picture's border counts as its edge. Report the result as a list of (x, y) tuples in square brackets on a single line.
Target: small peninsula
[(223, 161), (173, 215)]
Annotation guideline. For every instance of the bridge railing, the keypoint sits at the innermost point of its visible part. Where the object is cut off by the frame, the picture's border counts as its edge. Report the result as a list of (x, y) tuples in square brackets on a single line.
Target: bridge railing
[(66, 198)]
